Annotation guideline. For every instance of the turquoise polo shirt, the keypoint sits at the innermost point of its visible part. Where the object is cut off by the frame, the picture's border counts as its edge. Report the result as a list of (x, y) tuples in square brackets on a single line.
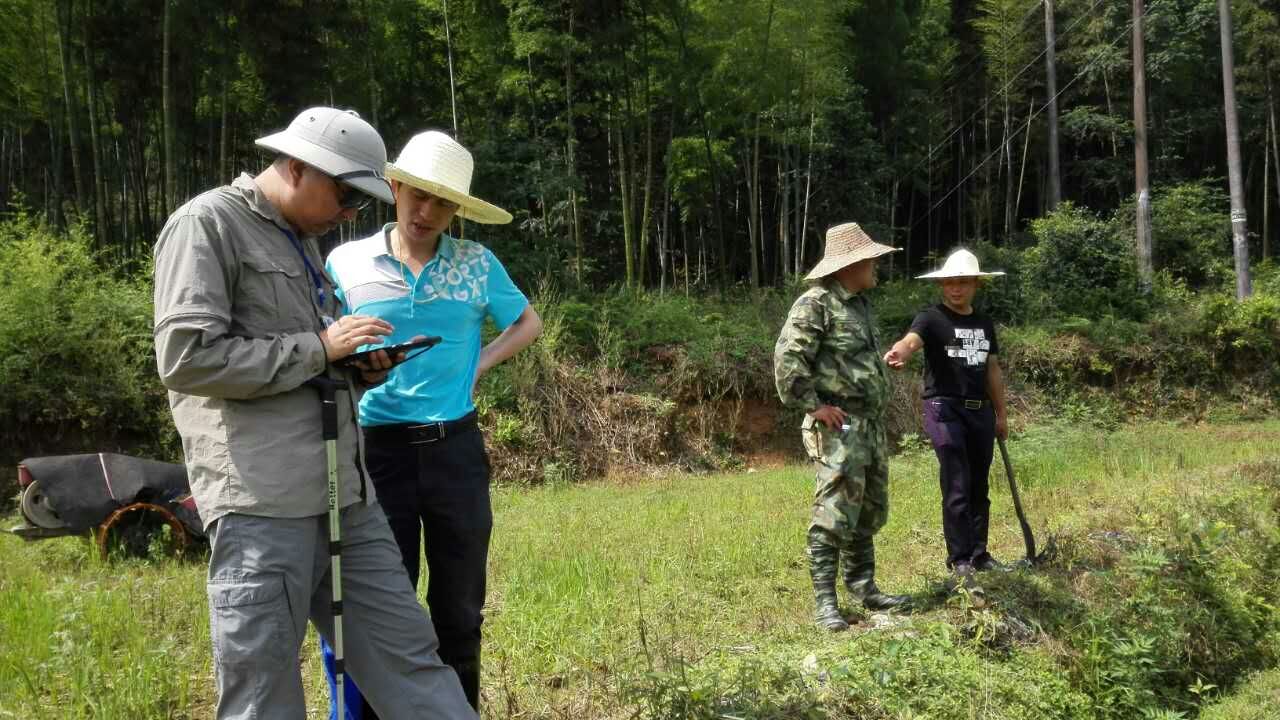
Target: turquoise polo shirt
[(462, 285)]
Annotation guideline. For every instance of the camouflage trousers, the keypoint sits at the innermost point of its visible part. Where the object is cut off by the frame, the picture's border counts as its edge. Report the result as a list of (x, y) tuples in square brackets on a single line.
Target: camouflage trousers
[(851, 493)]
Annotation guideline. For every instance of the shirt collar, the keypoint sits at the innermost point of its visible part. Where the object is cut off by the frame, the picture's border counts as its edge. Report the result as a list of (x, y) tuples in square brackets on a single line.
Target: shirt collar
[(445, 249), (842, 294), (258, 202)]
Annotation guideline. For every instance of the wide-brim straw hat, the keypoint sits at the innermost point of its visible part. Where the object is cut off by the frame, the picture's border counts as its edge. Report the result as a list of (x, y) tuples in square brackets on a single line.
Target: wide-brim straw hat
[(437, 163), (339, 144), (846, 245), (959, 264)]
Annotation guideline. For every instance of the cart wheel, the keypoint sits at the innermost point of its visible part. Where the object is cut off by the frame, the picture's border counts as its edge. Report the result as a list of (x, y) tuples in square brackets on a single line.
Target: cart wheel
[(134, 530), (37, 510)]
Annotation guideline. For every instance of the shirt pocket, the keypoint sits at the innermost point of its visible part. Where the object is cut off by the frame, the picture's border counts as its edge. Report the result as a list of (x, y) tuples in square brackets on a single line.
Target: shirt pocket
[(848, 335), (267, 296)]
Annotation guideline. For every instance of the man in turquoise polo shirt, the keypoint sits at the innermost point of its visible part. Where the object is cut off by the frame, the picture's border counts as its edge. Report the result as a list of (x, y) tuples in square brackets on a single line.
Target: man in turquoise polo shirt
[(425, 451)]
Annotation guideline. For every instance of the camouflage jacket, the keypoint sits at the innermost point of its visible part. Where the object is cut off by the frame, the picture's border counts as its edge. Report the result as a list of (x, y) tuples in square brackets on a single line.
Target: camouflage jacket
[(829, 353)]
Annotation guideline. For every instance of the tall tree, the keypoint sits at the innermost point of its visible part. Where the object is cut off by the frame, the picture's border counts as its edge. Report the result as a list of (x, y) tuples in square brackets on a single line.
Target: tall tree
[(1258, 34), (66, 15), (1008, 51), (170, 195), (1239, 223), (101, 225), (1142, 186), (1051, 103)]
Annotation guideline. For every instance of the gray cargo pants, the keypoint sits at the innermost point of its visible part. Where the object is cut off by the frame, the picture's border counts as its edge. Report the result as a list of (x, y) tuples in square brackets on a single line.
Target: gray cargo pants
[(267, 576)]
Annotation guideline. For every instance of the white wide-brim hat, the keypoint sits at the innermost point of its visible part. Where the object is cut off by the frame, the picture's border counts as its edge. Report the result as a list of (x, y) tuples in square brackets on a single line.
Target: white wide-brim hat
[(846, 245), (437, 163), (959, 264), (339, 144)]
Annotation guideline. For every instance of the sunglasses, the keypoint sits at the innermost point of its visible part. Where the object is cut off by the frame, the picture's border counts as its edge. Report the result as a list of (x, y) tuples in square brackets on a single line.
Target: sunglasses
[(350, 197)]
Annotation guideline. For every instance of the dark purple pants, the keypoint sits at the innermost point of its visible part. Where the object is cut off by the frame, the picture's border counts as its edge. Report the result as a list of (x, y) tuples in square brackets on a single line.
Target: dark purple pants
[(962, 439)]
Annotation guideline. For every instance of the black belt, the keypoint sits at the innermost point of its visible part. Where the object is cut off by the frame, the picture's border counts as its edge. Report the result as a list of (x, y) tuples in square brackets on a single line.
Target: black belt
[(969, 404), (425, 433), (853, 406)]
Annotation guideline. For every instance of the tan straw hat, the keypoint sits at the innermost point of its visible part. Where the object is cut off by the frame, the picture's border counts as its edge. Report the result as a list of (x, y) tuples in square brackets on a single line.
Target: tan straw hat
[(959, 264), (435, 162), (846, 245), (337, 143)]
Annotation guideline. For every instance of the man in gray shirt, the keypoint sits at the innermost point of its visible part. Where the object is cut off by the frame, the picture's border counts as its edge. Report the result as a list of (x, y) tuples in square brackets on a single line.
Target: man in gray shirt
[(243, 318)]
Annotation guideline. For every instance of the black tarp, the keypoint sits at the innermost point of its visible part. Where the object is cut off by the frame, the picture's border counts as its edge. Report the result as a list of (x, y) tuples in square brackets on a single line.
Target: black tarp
[(85, 489)]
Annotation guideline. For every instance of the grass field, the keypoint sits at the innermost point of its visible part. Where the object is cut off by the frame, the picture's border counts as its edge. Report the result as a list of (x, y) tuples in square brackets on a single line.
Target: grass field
[(1257, 699), (599, 593)]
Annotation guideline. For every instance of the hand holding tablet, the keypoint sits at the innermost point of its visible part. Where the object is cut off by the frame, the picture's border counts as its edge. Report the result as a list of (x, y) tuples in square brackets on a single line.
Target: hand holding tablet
[(397, 352)]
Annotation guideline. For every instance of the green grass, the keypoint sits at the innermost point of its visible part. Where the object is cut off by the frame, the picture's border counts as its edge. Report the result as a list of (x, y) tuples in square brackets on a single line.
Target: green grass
[(1257, 699), (595, 588)]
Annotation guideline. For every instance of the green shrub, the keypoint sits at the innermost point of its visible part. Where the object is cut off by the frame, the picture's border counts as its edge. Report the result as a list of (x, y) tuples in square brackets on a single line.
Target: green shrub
[(1266, 277), (700, 347), (1190, 232), (1004, 298), (1081, 267), (897, 302), (1190, 608), (1192, 347), (1257, 700), (76, 355), (1244, 334)]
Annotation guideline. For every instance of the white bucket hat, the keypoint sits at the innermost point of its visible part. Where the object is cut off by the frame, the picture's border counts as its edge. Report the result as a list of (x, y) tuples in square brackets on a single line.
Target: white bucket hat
[(846, 245), (437, 163), (339, 144), (959, 264)]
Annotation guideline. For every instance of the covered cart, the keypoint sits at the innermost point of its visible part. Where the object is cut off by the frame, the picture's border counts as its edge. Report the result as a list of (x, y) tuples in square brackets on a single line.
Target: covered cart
[(128, 504)]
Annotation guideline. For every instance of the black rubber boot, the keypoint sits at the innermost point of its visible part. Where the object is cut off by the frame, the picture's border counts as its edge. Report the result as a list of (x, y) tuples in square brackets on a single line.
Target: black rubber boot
[(860, 580), (823, 562)]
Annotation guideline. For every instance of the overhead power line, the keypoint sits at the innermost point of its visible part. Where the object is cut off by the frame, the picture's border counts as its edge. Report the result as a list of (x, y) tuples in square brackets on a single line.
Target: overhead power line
[(935, 148), (1128, 28)]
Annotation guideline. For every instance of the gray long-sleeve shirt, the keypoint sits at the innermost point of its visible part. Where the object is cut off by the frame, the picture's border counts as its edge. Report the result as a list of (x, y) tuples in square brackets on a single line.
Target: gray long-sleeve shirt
[(237, 334)]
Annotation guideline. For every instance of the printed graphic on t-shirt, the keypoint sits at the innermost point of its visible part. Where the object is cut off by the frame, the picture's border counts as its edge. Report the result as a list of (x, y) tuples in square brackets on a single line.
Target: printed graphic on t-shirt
[(464, 277), (368, 274), (971, 345)]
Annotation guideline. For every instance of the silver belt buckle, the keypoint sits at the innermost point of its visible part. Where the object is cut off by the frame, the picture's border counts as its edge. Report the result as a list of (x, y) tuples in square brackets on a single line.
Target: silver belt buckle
[(972, 404), (439, 426)]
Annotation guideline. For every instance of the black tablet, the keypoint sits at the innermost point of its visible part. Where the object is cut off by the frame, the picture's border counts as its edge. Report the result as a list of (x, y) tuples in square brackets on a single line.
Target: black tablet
[(392, 351)]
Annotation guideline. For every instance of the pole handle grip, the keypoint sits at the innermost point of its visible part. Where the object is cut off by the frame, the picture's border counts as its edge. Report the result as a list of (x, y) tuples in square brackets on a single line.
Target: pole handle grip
[(328, 389)]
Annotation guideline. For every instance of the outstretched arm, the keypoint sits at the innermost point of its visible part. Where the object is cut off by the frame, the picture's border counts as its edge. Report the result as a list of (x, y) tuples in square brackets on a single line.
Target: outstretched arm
[(902, 350)]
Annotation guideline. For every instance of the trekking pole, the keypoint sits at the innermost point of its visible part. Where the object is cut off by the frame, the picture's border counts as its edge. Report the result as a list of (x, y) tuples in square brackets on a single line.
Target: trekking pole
[(328, 389), (1027, 538)]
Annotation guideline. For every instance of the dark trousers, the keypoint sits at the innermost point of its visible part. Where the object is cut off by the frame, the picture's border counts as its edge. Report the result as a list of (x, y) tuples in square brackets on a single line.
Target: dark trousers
[(439, 492), (962, 439)]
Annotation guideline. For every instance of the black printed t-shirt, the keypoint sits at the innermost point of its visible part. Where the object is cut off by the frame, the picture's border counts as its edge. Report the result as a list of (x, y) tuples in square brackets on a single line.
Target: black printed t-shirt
[(956, 348)]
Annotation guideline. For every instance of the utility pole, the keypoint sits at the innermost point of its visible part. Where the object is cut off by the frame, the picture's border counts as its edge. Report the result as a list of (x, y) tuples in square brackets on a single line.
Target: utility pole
[(1239, 220), (1051, 87), (1142, 185)]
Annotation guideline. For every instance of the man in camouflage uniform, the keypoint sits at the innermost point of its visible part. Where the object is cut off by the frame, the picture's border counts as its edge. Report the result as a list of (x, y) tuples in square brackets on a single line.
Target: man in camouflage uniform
[(828, 363)]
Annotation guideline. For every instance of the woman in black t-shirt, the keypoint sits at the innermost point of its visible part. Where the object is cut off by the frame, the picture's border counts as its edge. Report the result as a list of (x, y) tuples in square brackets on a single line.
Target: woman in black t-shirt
[(964, 405)]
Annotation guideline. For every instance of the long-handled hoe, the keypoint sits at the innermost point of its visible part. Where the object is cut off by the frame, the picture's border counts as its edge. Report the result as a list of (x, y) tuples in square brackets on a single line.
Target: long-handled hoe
[(1029, 539)]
